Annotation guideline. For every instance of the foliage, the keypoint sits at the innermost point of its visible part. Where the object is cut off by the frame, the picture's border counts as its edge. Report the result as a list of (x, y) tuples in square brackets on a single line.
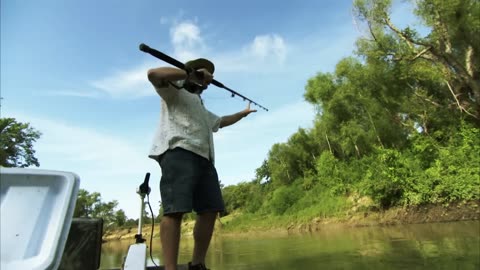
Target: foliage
[(16, 140), (90, 205), (398, 123), (283, 198), (294, 159), (452, 48), (387, 177), (455, 173)]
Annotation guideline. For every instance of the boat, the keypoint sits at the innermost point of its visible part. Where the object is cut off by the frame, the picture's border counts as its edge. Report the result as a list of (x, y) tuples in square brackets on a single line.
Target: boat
[(38, 231)]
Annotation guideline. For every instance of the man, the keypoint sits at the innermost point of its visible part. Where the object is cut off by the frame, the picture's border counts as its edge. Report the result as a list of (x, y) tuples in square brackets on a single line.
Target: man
[(183, 146)]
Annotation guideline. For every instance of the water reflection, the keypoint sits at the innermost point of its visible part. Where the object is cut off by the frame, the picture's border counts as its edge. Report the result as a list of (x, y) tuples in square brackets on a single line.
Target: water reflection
[(421, 246)]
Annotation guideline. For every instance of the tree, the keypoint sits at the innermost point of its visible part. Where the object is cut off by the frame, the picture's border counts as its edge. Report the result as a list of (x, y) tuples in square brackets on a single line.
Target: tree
[(291, 160), (452, 47), (361, 107), (120, 217), (16, 140), (91, 205), (237, 196), (262, 173), (398, 122), (86, 203)]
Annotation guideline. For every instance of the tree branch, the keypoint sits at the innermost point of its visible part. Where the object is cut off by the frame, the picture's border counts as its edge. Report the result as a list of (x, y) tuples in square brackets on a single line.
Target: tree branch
[(469, 61), (422, 97), (421, 54), (460, 107), (407, 39), (442, 29)]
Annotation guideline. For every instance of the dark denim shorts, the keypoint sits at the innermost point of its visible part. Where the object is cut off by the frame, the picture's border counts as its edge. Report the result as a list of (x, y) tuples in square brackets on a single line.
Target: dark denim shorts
[(189, 182)]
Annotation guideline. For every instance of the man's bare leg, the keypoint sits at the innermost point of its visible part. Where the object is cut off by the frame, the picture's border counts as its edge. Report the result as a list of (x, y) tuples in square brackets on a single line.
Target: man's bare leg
[(170, 237), (202, 234)]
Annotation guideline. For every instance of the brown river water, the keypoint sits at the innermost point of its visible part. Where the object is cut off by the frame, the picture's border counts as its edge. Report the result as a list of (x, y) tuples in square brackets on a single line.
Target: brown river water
[(453, 245)]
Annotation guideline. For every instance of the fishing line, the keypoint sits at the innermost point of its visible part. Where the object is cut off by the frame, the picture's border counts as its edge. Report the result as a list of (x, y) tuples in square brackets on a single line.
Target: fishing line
[(151, 235)]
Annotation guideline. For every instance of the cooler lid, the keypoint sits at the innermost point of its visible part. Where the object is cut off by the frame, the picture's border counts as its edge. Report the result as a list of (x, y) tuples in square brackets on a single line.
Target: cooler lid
[(36, 209)]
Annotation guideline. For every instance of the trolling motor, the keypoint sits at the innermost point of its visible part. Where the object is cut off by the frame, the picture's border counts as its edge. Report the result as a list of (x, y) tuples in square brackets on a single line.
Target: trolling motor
[(142, 190), (180, 65), (137, 253)]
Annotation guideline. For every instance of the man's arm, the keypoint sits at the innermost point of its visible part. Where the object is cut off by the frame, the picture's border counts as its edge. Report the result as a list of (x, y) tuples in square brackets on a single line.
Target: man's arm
[(160, 77), (233, 118)]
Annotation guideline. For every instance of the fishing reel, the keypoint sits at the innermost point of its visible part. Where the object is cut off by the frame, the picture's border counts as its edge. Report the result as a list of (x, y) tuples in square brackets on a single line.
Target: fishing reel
[(193, 86)]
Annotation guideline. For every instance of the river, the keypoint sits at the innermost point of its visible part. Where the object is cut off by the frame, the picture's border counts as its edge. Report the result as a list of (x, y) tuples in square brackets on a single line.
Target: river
[(454, 245)]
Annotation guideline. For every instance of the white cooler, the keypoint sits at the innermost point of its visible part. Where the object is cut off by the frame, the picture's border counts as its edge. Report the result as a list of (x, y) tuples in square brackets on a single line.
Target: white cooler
[(36, 212)]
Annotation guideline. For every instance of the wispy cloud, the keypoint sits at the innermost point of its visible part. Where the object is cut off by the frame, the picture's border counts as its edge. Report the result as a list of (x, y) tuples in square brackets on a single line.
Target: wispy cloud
[(271, 45), (131, 83), (107, 163), (74, 93), (264, 54), (187, 40), (259, 55), (114, 165)]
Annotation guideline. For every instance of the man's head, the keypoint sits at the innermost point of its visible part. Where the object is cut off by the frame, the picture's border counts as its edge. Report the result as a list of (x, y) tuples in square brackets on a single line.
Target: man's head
[(199, 64), (197, 83)]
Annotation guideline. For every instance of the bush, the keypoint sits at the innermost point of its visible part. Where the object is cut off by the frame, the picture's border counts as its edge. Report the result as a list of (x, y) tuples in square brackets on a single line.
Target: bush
[(455, 174), (283, 198)]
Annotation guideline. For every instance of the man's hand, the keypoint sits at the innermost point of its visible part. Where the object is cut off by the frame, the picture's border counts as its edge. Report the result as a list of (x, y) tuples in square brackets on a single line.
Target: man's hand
[(247, 111), (232, 119), (200, 77)]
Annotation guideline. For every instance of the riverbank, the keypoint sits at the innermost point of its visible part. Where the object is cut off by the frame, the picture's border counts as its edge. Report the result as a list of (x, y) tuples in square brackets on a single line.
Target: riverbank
[(460, 211), (238, 223)]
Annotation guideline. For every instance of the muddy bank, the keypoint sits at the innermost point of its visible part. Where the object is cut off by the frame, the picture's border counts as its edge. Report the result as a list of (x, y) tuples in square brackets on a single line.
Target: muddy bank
[(459, 211)]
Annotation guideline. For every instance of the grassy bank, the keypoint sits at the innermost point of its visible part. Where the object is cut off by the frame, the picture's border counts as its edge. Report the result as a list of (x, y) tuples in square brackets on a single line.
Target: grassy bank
[(242, 223)]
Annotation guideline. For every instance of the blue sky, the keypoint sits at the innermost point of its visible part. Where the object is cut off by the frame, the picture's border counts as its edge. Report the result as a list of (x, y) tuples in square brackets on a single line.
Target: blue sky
[(73, 70)]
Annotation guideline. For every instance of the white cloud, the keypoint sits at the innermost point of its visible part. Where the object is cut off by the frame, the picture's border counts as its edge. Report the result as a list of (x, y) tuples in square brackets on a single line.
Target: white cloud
[(185, 34), (187, 41), (115, 165), (269, 46), (265, 53), (73, 93), (259, 55), (130, 84), (106, 163)]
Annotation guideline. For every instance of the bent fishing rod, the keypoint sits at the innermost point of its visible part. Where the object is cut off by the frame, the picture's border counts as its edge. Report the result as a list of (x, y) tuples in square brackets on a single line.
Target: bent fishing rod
[(180, 65)]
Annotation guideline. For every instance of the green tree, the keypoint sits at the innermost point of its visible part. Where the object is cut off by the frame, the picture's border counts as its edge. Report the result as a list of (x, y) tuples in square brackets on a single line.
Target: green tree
[(398, 122), (236, 196), (106, 211), (91, 205), (86, 203), (291, 160), (120, 217), (361, 108), (262, 173), (451, 48), (16, 140)]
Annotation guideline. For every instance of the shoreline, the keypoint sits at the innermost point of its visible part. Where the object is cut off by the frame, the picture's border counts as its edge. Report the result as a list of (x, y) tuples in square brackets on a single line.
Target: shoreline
[(458, 211)]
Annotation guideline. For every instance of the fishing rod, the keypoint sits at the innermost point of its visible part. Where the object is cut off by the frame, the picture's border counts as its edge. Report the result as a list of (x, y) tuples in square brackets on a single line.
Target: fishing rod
[(180, 65)]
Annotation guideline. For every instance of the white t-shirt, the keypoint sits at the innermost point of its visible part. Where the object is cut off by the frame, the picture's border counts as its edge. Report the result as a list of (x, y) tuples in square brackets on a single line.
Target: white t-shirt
[(185, 123)]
